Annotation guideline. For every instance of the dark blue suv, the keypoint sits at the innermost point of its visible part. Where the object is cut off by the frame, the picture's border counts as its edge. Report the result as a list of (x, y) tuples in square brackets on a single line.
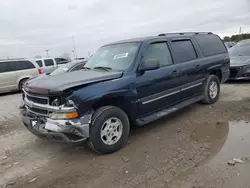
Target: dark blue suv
[(130, 82)]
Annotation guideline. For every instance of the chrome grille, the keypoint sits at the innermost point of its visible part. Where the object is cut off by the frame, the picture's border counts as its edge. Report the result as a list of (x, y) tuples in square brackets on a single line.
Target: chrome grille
[(38, 100)]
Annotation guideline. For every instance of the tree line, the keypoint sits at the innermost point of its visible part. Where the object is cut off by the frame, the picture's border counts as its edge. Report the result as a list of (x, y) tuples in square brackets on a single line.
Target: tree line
[(236, 38)]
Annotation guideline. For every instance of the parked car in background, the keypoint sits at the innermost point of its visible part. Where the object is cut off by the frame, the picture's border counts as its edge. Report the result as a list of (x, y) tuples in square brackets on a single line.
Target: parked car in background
[(240, 60), (131, 82), (229, 44), (69, 67), (14, 73), (50, 64)]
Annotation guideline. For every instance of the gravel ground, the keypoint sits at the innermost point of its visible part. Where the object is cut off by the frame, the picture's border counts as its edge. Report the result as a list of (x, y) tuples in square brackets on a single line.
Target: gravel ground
[(188, 149)]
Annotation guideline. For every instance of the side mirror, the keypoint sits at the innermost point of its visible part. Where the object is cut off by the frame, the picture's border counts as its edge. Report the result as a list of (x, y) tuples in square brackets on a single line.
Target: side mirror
[(150, 64)]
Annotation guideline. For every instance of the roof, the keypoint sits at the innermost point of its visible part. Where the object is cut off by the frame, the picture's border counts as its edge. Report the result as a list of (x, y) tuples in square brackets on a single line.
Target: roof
[(160, 36)]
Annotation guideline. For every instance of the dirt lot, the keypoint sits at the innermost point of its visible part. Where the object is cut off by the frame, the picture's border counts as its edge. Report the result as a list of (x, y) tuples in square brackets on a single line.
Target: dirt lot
[(187, 149)]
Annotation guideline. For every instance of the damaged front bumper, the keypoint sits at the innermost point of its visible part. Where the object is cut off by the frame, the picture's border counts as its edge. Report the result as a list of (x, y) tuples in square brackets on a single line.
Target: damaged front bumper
[(70, 131)]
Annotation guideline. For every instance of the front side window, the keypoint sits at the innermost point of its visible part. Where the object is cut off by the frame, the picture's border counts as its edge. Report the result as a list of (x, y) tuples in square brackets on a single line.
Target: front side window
[(160, 52), (183, 51), (48, 62), (114, 57)]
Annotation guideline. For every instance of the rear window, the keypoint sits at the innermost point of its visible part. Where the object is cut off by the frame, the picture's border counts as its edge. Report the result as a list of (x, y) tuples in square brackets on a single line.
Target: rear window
[(40, 63), (183, 51), (210, 45), (48, 62)]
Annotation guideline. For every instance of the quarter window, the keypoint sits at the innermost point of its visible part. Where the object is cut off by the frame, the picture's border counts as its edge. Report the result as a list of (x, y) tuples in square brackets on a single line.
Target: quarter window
[(210, 45), (40, 63), (183, 51), (160, 52)]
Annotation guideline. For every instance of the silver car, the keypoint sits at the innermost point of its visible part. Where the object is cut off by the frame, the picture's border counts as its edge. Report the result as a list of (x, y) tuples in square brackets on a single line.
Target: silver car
[(14, 73)]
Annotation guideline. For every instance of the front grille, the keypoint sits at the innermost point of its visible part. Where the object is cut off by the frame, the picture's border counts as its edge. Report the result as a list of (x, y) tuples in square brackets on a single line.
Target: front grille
[(37, 99), (233, 72), (38, 111), (41, 100)]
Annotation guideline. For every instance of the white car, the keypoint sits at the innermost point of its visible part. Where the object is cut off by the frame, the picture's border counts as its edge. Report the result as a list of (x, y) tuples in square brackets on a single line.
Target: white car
[(14, 73), (50, 64)]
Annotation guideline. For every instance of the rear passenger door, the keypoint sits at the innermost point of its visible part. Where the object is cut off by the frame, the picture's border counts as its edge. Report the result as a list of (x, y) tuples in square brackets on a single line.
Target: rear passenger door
[(49, 65), (191, 73)]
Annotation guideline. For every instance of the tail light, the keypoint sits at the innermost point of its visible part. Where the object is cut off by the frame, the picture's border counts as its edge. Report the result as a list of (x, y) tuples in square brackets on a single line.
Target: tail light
[(40, 71)]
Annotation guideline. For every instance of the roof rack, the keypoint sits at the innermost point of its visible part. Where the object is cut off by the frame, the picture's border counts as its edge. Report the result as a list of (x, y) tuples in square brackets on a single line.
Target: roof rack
[(184, 33)]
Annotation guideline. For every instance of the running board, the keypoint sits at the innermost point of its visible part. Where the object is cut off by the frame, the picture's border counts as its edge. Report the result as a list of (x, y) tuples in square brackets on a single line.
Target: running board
[(157, 115)]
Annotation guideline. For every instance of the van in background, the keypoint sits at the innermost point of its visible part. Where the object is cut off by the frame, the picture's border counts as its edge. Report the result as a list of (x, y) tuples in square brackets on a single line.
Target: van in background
[(14, 73)]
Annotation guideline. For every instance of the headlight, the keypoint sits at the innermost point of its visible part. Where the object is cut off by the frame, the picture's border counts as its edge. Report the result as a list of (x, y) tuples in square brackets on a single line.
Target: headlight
[(69, 115)]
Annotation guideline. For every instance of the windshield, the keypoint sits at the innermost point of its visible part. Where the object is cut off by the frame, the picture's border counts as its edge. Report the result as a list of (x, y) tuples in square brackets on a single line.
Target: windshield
[(114, 57), (62, 69), (240, 49)]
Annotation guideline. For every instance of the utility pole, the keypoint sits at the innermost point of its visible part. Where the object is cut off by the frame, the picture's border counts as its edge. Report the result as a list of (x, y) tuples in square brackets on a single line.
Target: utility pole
[(74, 45), (47, 51), (74, 56)]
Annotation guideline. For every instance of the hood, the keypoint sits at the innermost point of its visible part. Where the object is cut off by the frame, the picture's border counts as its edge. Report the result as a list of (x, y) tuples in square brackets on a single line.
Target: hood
[(236, 61), (56, 84)]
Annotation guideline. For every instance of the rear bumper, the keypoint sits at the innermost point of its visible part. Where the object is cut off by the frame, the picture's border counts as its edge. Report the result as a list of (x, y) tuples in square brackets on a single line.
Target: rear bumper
[(69, 131)]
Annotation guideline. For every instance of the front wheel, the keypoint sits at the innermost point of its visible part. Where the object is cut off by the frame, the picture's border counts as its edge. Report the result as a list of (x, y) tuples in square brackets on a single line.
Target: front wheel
[(109, 130), (211, 90)]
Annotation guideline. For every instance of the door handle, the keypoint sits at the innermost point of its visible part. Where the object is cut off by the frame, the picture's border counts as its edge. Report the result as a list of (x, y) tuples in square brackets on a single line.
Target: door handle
[(174, 73)]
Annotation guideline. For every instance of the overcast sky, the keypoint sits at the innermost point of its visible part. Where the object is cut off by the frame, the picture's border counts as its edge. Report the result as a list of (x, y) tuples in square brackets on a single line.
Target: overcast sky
[(28, 27)]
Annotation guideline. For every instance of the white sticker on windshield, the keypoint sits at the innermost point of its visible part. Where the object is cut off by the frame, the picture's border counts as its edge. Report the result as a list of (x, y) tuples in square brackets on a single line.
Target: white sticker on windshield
[(118, 56)]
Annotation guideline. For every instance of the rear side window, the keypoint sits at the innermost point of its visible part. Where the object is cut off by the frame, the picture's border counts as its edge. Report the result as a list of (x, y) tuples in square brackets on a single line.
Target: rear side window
[(183, 51), (40, 63), (4, 67), (160, 52), (210, 45), (48, 62)]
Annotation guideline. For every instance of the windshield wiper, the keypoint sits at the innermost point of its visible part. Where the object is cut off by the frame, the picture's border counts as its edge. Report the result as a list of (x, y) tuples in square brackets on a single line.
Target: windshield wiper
[(103, 68)]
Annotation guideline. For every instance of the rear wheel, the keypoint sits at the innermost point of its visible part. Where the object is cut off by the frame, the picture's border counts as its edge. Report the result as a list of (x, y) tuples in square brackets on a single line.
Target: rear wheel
[(211, 91), (109, 130)]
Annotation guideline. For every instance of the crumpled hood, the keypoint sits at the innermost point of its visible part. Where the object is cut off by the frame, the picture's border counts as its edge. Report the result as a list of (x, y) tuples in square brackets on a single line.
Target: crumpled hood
[(236, 61), (58, 83)]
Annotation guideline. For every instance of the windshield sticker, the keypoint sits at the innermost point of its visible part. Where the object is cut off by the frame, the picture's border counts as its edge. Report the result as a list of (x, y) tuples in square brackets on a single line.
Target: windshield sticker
[(119, 56)]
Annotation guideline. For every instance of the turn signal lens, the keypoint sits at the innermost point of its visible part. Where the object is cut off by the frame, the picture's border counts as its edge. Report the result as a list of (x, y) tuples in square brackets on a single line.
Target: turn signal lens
[(71, 115)]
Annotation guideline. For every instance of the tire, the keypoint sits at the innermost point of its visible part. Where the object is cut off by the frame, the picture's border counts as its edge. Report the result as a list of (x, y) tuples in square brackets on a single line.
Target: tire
[(22, 82), (210, 98), (104, 118)]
